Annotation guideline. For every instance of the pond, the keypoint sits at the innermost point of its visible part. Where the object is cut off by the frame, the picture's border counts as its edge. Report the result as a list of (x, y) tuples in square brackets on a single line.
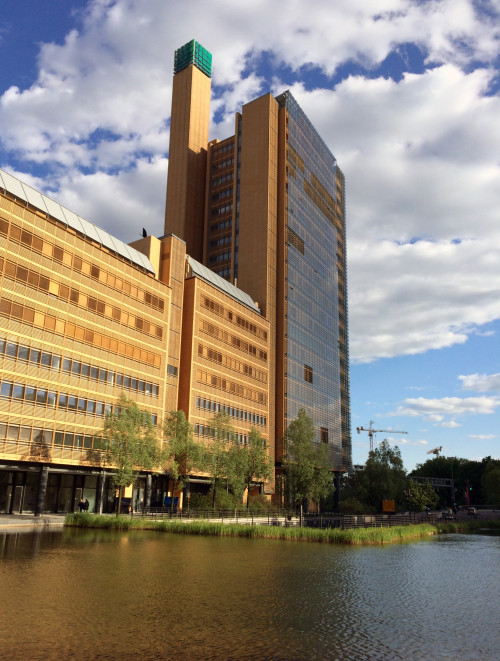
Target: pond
[(140, 595)]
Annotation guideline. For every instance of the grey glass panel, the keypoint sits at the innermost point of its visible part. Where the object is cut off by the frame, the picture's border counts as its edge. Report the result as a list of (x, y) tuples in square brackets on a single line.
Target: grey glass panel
[(54, 209), (104, 238), (89, 230), (34, 197), (72, 220), (13, 185)]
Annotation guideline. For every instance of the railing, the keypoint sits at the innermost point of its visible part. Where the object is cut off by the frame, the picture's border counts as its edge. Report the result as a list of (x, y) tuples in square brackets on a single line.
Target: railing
[(266, 518), (287, 518)]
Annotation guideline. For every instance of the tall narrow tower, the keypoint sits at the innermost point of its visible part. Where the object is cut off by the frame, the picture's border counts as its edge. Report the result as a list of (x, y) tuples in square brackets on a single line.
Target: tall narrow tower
[(188, 144)]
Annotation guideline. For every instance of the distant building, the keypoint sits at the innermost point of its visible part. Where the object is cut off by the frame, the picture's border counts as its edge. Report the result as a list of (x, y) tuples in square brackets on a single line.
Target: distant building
[(241, 306)]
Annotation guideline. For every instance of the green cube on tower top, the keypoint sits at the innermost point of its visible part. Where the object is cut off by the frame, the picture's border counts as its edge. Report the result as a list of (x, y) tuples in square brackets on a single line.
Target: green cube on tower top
[(193, 53)]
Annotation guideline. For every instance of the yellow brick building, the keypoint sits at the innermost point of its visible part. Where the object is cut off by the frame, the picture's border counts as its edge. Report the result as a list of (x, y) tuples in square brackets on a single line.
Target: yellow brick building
[(84, 318)]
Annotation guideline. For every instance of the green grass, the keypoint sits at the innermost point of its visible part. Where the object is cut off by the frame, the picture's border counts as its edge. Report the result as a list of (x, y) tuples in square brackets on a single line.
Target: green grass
[(328, 536)]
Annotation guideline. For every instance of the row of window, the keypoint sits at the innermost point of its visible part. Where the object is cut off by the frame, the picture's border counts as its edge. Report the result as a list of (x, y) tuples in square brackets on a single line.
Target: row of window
[(224, 225), (220, 257), (42, 440), (231, 363), (234, 318), (210, 432), (37, 244), (56, 362), (220, 211), (223, 164), (222, 180), (232, 411), (19, 392), (69, 330), (224, 272), (321, 204), (223, 149), (223, 241), (296, 158), (233, 340), (228, 192), (38, 281), (295, 240), (230, 387)]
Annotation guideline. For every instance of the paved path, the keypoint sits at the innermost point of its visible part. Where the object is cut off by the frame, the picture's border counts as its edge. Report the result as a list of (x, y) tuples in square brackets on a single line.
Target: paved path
[(9, 522)]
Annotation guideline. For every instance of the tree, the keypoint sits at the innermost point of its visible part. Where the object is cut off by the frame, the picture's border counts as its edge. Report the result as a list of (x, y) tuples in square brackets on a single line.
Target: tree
[(383, 478), (131, 444), (249, 463), (490, 482), (216, 459), (308, 475), (418, 496), (181, 452)]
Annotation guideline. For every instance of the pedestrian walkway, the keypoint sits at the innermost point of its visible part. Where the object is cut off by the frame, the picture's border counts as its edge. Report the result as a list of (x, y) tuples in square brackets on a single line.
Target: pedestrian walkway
[(18, 521)]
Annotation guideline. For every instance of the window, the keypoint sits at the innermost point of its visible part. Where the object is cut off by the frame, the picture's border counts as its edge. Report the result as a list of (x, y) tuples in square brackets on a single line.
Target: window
[(35, 356), (295, 240), (324, 434), (11, 350), (6, 389), (18, 392), (308, 374)]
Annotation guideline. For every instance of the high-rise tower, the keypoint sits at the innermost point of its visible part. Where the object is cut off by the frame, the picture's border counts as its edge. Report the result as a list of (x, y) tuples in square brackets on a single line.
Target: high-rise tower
[(273, 223), (188, 144)]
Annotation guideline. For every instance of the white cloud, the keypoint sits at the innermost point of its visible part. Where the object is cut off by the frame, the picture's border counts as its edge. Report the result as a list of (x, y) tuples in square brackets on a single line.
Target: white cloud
[(482, 437), (435, 410), (407, 442), (420, 155), (481, 382)]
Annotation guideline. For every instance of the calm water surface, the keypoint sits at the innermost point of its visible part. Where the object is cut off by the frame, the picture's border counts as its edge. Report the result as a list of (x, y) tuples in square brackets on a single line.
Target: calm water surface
[(104, 595)]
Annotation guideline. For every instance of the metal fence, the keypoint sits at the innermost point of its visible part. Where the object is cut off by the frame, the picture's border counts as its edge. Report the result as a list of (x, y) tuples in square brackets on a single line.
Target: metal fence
[(288, 518)]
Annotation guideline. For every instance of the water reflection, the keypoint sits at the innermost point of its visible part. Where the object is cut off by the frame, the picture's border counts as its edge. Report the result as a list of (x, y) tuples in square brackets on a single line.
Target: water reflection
[(100, 594)]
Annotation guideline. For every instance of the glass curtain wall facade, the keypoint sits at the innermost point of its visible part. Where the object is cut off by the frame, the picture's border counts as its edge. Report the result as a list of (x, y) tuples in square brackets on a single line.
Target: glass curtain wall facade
[(312, 331)]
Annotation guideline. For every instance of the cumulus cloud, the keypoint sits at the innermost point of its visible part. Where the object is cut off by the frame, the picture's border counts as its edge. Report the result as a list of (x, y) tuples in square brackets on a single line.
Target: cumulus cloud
[(481, 382), (435, 410), (420, 151)]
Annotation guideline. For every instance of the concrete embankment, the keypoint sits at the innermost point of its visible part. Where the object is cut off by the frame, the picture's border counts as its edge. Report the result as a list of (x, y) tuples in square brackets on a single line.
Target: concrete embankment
[(16, 522)]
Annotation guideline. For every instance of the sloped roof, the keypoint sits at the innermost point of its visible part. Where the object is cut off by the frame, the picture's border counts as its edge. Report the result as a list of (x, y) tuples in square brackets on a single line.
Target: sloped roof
[(24, 192), (225, 286)]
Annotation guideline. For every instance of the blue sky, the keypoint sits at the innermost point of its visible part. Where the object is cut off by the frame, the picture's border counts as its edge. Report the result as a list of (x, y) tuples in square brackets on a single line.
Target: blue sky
[(407, 96)]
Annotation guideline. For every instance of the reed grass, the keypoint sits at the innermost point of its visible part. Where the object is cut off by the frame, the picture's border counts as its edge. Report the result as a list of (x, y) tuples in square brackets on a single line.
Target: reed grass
[(356, 536)]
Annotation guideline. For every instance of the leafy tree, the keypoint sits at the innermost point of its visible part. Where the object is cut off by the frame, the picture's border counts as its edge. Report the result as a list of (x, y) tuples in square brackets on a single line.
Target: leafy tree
[(490, 482), (181, 452), (383, 478), (248, 463), (216, 459), (131, 444), (418, 496), (461, 471), (308, 475)]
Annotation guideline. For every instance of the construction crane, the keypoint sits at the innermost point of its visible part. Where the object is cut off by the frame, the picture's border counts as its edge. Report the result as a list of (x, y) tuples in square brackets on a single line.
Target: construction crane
[(435, 451), (372, 431)]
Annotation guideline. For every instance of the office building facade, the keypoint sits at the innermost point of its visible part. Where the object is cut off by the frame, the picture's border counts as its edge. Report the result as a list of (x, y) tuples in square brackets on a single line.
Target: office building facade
[(240, 307), (274, 223)]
